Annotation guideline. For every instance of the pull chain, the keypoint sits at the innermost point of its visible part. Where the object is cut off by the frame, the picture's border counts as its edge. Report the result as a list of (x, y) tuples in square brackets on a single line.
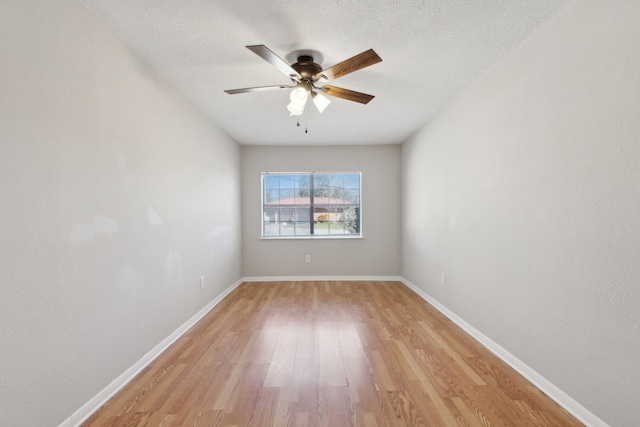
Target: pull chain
[(306, 129)]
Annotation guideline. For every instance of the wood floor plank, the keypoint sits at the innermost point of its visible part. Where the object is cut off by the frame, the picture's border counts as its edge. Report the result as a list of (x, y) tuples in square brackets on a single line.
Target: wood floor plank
[(383, 376), (349, 341), (362, 388), (247, 396), (415, 370), (307, 391), (328, 353), (331, 362), (336, 408), (308, 339), (280, 371)]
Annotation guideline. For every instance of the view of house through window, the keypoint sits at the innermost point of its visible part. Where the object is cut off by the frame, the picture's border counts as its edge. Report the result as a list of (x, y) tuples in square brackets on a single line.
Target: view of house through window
[(311, 204)]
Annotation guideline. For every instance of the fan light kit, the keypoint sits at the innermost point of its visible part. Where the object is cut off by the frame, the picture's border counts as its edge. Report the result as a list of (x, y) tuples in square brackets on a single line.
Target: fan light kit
[(304, 75)]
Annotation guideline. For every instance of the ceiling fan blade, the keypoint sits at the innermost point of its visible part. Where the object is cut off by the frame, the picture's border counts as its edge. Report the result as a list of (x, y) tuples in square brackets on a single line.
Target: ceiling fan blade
[(350, 65), (350, 95), (257, 89), (265, 53)]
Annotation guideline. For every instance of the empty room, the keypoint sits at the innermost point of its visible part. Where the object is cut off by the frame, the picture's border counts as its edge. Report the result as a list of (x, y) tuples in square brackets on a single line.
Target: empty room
[(349, 213)]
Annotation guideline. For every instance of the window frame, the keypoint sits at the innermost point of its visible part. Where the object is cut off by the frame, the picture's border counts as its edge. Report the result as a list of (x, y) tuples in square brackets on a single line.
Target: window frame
[(313, 236)]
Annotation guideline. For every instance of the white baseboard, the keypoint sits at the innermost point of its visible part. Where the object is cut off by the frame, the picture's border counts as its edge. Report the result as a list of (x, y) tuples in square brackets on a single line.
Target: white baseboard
[(322, 278), (547, 387), (79, 416)]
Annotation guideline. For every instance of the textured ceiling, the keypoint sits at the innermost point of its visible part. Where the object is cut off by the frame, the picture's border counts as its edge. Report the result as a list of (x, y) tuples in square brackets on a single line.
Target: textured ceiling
[(431, 51)]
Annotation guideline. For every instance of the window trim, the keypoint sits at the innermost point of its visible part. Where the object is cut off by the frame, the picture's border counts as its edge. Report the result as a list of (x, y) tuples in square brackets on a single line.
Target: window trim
[(310, 236)]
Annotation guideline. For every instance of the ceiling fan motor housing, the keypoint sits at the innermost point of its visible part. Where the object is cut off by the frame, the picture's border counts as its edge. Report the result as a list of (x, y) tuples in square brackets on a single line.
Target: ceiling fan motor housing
[(307, 68)]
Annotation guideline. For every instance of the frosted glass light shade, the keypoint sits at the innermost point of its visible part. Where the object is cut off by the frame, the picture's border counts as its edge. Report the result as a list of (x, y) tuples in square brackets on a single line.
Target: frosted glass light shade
[(299, 96), (321, 102), (295, 109), (298, 101)]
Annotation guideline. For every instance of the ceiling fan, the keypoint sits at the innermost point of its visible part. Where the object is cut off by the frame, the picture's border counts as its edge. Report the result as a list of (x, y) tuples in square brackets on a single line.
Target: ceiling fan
[(304, 75)]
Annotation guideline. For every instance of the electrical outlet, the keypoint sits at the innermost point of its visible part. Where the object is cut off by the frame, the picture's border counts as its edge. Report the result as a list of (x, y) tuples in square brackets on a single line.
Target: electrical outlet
[(307, 258), (443, 281), (201, 282)]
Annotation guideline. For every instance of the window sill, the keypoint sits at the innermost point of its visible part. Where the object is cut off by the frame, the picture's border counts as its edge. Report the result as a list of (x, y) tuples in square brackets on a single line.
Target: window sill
[(317, 237)]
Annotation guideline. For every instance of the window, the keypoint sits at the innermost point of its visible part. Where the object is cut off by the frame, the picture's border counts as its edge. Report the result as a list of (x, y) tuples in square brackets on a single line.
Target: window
[(311, 204)]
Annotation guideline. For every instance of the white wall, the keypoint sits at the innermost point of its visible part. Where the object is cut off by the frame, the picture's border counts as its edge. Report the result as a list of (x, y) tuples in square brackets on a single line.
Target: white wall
[(377, 254), (117, 195), (526, 193)]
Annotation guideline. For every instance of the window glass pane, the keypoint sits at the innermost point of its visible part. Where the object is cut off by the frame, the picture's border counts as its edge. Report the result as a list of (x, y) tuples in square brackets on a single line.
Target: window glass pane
[(303, 228), (271, 196), (336, 228), (337, 214), (320, 228), (302, 214), (351, 196), (286, 197), (271, 229), (270, 215), (350, 214), (286, 214), (350, 227), (321, 180), (271, 181), (287, 229), (287, 182), (320, 215), (302, 185), (352, 180)]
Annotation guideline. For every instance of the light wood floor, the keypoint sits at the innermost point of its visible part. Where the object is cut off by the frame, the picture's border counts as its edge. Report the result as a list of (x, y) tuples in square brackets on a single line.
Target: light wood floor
[(328, 354)]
